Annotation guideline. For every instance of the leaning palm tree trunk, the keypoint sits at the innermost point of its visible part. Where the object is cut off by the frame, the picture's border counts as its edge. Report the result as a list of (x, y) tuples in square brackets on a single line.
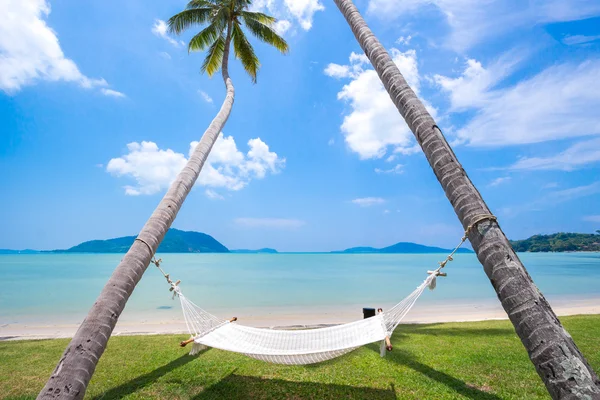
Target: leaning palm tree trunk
[(552, 351), (77, 364)]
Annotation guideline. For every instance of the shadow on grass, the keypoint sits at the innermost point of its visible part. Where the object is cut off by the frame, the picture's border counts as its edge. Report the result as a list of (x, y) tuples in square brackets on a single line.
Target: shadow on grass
[(249, 387), (405, 358), (433, 330), (144, 380)]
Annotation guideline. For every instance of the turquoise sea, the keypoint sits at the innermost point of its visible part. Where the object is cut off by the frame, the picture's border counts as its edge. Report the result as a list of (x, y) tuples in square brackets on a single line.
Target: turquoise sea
[(60, 288)]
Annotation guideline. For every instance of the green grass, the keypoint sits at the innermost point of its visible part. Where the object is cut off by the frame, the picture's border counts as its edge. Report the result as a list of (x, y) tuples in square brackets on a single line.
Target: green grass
[(475, 360)]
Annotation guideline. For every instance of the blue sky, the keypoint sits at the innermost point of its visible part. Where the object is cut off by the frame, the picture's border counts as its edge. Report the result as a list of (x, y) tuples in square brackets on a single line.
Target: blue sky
[(99, 107)]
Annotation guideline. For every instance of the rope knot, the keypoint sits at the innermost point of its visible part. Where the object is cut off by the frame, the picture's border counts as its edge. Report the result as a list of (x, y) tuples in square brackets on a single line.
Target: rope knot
[(175, 289)]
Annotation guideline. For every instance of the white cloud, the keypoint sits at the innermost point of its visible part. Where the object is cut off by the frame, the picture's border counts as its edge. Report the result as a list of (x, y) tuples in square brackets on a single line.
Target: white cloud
[(550, 185), (576, 192), (300, 11), (579, 39), (499, 181), (396, 170), (592, 218), (386, 211), (272, 223), (112, 93), (160, 29), (555, 104), (472, 88), (282, 26), (368, 201), (304, 10), (205, 96), (331, 142), (474, 21), (576, 156), (30, 51), (154, 169), (405, 40), (211, 194), (374, 124), (165, 55), (337, 71), (553, 198)]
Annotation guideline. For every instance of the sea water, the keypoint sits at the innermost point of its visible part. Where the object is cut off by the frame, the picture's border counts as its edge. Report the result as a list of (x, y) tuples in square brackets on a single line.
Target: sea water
[(61, 288)]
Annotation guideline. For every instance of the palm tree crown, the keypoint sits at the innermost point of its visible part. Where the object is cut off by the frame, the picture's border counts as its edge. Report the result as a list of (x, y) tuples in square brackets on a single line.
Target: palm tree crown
[(225, 19)]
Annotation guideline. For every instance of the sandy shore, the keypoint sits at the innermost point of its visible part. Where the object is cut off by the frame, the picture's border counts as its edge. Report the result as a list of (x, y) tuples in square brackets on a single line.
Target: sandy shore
[(298, 318)]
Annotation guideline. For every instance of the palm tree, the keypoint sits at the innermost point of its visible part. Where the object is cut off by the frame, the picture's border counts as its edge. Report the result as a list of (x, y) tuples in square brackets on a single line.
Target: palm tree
[(224, 20), (555, 356)]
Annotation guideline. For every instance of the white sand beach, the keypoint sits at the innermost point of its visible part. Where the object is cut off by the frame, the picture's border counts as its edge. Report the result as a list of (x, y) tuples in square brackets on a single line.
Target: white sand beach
[(282, 318)]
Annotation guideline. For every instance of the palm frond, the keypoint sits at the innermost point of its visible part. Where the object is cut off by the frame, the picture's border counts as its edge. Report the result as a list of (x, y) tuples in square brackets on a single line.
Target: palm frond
[(214, 58), (185, 19), (200, 4), (206, 37), (265, 34), (244, 52), (260, 17)]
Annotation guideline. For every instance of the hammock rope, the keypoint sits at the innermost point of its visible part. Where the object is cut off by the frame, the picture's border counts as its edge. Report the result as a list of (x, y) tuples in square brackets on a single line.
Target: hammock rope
[(307, 346)]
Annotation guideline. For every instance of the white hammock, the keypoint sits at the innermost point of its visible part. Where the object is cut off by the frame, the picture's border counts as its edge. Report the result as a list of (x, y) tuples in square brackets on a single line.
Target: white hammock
[(307, 346)]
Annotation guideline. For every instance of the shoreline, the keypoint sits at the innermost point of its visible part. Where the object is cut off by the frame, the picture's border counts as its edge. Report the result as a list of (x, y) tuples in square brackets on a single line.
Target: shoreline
[(288, 318)]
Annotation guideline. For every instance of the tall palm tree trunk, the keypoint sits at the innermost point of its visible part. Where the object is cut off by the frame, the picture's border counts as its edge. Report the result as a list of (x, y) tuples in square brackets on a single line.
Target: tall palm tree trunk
[(558, 361), (77, 364)]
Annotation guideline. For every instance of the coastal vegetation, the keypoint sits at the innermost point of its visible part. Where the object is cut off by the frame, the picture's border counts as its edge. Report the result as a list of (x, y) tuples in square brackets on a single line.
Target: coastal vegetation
[(472, 360), (175, 241), (559, 242), (178, 241)]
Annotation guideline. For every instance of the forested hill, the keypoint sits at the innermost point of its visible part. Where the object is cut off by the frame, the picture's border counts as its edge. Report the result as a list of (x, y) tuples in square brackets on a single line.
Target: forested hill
[(559, 242), (175, 241), (402, 247)]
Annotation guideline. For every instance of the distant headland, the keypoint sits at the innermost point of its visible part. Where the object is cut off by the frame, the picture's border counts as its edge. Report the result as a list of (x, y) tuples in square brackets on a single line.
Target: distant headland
[(400, 248), (559, 242), (177, 241)]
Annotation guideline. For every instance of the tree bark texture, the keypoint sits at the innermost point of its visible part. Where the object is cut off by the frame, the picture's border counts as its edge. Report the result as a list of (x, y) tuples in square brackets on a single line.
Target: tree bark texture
[(78, 363), (558, 361)]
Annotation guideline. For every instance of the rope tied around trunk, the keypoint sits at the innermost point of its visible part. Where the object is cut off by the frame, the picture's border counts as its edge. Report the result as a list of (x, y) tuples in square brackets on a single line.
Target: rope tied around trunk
[(477, 220)]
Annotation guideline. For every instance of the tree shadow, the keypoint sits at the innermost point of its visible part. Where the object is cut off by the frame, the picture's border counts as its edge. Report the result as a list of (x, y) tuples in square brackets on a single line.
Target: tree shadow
[(403, 357), (144, 380), (250, 387), (432, 330)]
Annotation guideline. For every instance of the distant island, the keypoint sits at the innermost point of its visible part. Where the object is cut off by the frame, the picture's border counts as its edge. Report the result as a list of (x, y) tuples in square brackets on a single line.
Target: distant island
[(26, 251), (402, 247), (559, 242), (259, 251), (175, 241)]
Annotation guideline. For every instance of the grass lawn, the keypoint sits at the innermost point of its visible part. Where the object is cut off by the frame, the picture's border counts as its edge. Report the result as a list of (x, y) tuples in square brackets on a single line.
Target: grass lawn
[(475, 360)]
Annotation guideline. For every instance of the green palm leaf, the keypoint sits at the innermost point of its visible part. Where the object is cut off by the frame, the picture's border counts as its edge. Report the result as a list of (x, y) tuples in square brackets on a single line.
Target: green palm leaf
[(201, 4), (214, 58), (216, 16), (206, 37), (260, 17), (185, 19), (244, 52), (264, 33)]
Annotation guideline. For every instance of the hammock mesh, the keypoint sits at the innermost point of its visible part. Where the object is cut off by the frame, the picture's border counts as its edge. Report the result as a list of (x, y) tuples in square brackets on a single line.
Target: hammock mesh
[(295, 347)]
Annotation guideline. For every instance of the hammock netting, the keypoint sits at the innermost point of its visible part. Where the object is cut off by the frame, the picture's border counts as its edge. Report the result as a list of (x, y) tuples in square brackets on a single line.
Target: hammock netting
[(294, 347)]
